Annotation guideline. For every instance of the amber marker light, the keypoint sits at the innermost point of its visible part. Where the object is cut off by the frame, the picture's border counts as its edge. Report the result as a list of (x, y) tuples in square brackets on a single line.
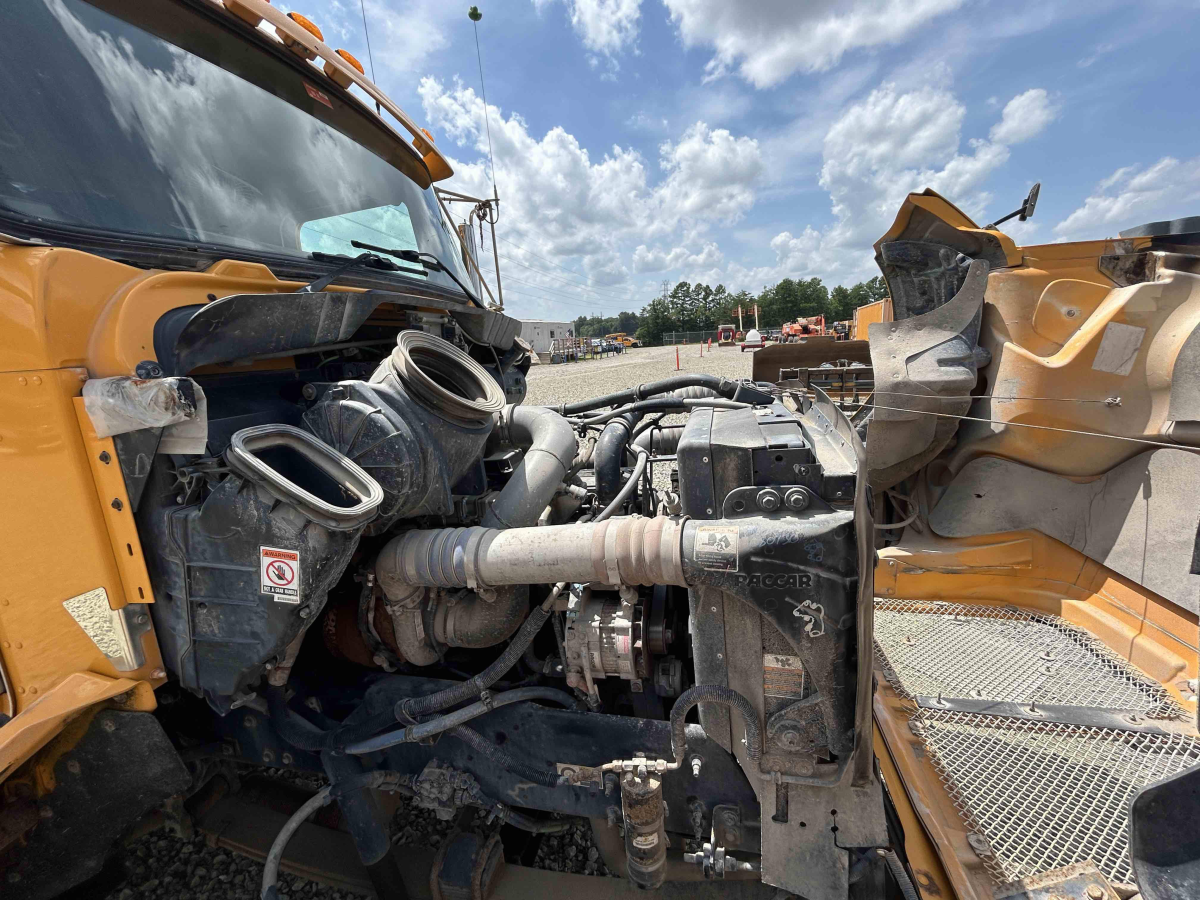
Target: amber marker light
[(341, 78), (294, 45), (243, 12)]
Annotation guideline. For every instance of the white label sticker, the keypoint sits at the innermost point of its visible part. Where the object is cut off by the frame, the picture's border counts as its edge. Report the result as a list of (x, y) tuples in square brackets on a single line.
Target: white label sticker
[(716, 547), (280, 574), (1118, 348)]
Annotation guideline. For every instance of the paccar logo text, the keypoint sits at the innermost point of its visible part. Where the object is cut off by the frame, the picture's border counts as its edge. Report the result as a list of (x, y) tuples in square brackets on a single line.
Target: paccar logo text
[(778, 581)]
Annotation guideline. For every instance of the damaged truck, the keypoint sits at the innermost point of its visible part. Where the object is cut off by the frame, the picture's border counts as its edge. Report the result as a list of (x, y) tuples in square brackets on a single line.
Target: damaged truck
[(272, 502)]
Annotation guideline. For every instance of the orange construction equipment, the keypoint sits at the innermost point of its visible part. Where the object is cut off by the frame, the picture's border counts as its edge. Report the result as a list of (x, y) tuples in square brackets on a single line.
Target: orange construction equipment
[(793, 331)]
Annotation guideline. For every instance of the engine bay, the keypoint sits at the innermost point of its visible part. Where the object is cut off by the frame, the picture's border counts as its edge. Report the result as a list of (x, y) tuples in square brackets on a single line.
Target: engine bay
[(385, 563)]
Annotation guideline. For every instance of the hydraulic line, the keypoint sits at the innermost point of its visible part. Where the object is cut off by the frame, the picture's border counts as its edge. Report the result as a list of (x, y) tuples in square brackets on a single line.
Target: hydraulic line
[(902, 880), (473, 687), (418, 732), (388, 780), (502, 759), (722, 386), (664, 404), (712, 693)]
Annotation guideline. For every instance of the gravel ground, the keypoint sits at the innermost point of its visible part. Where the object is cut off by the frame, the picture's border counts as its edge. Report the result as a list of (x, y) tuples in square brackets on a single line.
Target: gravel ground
[(550, 385), (161, 866)]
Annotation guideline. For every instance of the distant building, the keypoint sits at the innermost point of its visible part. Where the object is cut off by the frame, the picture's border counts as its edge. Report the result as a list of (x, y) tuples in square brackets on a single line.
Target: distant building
[(542, 334)]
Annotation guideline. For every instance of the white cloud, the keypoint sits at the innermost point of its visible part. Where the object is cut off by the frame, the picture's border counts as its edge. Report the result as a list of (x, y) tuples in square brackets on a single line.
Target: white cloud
[(1025, 116), (879, 150), (567, 207), (1132, 196), (769, 40), (646, 259), (604, 26)]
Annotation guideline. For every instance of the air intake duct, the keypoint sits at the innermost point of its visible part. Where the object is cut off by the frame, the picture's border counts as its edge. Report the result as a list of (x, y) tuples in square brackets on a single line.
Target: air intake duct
[(417, 426)]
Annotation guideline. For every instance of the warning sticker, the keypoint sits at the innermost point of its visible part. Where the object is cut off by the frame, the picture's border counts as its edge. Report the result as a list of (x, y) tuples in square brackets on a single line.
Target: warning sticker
[(716, 547), (280, 574), (783, 676)]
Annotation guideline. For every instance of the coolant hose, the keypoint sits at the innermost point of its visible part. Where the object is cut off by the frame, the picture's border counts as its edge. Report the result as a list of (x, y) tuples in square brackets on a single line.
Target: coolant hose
[(639, 469), (712, 693), (550, 440), (722, 387), (659, 441), (423, 730), (609, 455)]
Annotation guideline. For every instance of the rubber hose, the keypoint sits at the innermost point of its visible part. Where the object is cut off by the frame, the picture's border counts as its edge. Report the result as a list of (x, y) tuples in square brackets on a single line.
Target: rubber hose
[(292, 825), (659, 441), (630, 486), (665, 404), (529, 823), (898, 872), (723, 387), (609, 456), (501, 759), (291, 728), (414, 707), (712, 693), (451, 720)]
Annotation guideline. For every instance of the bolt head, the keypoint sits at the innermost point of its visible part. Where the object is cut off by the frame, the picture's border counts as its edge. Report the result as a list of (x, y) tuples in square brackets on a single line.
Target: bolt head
[(1095, 892), (105, 457), (768, 499), (796, 499)]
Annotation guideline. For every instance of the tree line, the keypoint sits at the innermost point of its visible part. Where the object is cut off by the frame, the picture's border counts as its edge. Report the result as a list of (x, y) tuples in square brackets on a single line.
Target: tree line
[(699, 307)]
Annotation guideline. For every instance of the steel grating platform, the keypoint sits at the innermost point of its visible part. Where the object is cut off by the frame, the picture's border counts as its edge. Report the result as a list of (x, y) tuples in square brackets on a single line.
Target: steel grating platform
[(1046, 782)]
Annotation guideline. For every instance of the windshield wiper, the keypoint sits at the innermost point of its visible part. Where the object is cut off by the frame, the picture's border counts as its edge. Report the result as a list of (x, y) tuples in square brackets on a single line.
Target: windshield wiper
[(365, 260), (428, 260)]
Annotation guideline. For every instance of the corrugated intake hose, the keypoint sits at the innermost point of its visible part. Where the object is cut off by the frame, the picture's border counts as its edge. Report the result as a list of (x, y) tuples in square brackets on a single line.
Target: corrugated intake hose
[(446, 722), (627, 550), (712, 693), (722, 387), (550, 440)]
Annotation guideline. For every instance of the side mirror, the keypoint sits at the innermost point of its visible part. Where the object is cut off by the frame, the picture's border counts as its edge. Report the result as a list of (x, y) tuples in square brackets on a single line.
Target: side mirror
[(1030, 202)]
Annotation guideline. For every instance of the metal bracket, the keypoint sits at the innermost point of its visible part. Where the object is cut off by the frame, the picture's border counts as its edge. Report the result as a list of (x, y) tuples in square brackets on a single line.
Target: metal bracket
[(1086, 716)]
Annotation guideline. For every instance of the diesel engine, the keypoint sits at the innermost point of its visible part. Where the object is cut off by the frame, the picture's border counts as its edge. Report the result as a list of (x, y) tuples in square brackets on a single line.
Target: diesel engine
[(647, 609)]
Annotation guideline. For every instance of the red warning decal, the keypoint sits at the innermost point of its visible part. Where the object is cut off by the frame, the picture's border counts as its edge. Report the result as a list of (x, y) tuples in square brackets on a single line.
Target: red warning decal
[(280, 574)]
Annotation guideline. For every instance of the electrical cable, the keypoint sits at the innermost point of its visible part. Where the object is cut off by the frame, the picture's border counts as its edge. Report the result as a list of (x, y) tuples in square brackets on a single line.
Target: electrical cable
[(1095, 434)]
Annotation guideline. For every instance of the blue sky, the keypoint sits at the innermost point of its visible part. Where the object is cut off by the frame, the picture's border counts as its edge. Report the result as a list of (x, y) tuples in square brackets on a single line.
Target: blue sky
[(742, 141)]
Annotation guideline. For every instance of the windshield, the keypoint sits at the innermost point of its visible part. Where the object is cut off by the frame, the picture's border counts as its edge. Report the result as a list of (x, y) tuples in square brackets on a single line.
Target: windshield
[(105, 126)]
